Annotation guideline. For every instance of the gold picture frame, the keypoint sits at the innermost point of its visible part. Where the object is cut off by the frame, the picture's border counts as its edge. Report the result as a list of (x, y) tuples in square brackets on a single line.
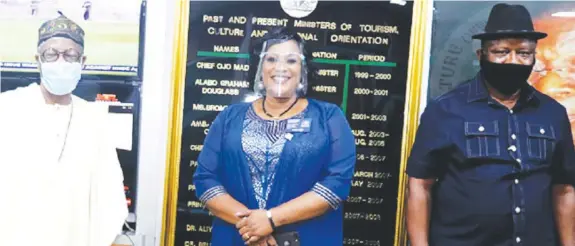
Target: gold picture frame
[(417, 59), (175, 123)]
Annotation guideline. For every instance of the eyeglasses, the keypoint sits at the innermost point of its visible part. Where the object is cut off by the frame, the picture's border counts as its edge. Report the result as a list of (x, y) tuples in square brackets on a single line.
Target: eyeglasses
[(289, 59), (52, 55)]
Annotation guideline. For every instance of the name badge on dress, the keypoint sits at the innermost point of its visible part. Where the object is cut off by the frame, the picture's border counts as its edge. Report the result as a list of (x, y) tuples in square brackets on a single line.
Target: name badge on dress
[(298, 125)]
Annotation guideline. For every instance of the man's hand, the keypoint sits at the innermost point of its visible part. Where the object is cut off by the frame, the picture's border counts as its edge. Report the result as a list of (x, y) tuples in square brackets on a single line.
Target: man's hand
[(564, 206), (418, 210), (254, 225), (266, 241)]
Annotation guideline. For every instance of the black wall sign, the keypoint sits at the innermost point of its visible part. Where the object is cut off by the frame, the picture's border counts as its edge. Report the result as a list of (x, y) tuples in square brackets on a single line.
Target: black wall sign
[(360, 55)]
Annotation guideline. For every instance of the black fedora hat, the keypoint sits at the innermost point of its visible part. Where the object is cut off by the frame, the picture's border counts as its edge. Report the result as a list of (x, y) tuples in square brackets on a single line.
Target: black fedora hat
[(509, 21)]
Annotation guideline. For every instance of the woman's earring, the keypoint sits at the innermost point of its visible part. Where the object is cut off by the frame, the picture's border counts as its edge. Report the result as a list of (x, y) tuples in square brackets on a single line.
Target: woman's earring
[(300, 86)]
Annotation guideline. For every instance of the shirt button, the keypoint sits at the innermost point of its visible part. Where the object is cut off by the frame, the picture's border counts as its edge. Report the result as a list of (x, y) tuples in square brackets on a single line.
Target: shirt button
[(517, 210), (481, 128), (511, 111), (513, 136), (512, 148), (518, 160), (518, 239), (516, 181), (541, 131)]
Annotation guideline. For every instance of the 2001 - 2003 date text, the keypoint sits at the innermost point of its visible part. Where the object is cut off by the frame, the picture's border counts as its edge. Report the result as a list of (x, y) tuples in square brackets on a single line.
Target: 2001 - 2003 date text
[(372, 117)]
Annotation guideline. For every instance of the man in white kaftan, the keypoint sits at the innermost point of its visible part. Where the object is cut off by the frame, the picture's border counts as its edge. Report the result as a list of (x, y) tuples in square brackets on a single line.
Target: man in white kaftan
[(60, 180)]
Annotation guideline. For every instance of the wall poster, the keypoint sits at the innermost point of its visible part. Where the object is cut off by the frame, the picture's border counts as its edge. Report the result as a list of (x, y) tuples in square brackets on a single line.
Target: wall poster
[(361, 62)]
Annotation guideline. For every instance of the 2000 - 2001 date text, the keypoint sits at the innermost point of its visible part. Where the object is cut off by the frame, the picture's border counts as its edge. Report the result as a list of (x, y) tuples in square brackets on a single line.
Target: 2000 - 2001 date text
[(372, 117), (367, 91)]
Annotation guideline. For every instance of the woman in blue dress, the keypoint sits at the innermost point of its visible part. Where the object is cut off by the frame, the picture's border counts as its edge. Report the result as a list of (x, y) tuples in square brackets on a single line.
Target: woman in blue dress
[(281, 164)]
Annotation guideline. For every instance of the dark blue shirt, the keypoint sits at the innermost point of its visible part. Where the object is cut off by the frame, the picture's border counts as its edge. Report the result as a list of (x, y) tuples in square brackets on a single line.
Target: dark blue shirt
[(494, 166)]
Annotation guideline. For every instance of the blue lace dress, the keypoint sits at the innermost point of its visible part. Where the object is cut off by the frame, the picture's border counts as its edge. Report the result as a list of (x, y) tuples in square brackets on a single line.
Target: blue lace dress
[(263, 142)]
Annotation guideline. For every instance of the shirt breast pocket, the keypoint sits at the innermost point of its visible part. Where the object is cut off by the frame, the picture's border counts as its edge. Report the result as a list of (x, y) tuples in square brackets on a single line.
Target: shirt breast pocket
[(541, 140), (482, 139)]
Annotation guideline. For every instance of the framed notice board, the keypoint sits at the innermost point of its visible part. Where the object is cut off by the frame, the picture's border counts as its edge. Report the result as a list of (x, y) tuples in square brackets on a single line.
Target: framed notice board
[(367, 58)]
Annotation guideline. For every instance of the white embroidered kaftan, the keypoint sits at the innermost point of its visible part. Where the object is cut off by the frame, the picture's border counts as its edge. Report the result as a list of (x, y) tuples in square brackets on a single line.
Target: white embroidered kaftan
[(60, 181)]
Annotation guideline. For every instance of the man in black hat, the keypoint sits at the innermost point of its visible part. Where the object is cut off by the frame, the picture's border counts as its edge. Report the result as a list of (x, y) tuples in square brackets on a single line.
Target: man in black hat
[(494, 158)]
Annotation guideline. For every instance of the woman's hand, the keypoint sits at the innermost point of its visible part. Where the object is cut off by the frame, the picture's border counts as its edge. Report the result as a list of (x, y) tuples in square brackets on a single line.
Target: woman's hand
[(254, 225)]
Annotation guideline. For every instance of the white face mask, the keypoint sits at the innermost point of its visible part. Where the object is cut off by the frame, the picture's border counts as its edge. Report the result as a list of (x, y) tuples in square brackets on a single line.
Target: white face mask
[(60, 77)]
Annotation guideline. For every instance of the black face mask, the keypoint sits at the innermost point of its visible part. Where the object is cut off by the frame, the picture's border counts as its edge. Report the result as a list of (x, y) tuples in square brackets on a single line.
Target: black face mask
[(505, 78)]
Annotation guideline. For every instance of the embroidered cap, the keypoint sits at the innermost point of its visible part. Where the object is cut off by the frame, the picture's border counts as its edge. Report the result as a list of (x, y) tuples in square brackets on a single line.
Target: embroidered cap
[(61, 27)]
